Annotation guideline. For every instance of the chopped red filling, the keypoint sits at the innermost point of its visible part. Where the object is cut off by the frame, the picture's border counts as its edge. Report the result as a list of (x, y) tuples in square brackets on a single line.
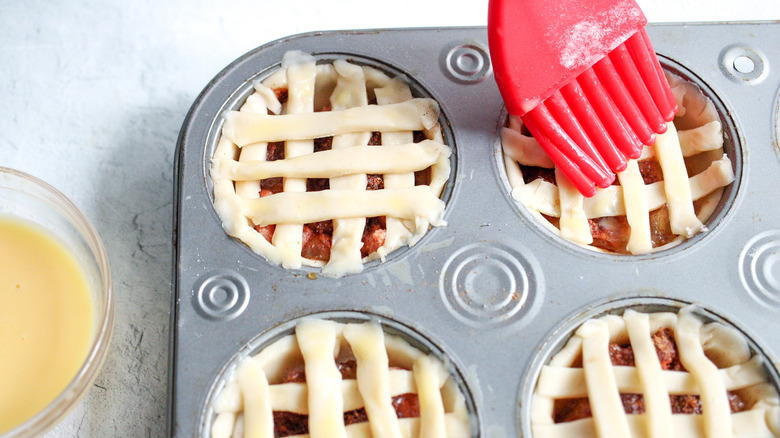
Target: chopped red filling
[(668, 356), (660, 228), (373, 235), (610, 233), (316, 245), (651, 171)]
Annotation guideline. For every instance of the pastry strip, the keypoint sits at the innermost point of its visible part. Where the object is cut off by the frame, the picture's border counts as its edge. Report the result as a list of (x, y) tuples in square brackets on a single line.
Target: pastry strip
[(637, 213), (426, 375), (658, 411), (373, 377), (524, 149), (565, 382), (223, 425), (708, 137), (258, 415), (398, 232), (306, 207), (343, 159), (716, 412), (412, 115), (682, 218), (602, 389), (301, 75), (317, 340), (574, 223), (350, 92)]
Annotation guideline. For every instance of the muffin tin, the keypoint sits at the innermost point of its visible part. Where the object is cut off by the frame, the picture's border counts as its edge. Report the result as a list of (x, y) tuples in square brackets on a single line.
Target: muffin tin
[(493, 293)]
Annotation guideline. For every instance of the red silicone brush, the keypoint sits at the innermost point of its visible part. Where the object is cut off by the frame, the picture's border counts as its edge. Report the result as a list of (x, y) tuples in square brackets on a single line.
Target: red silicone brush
[(585, 80)]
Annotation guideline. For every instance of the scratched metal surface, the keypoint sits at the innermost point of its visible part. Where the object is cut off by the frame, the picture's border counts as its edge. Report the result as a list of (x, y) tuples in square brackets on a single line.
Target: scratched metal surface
[(492, 289)]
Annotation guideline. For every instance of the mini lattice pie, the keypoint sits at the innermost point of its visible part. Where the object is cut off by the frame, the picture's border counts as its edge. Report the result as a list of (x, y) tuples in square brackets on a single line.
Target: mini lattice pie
[(330, 165), (340, 380), (660, 200), (655, 375)]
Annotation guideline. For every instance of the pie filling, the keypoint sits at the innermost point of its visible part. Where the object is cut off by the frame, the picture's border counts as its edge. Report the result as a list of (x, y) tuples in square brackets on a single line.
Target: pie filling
[(330, 165), (660, 200), (340, 380), (653, 375)]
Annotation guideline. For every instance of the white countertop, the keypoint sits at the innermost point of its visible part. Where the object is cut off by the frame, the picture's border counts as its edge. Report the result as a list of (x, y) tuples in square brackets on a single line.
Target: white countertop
[(92, 96)]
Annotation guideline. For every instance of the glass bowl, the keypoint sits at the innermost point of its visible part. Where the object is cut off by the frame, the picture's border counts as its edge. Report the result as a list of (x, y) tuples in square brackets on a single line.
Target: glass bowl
[(29, 200)]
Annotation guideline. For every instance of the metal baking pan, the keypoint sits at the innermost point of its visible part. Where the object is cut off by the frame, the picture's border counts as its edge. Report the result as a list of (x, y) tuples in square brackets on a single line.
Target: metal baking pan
[(489, 290)]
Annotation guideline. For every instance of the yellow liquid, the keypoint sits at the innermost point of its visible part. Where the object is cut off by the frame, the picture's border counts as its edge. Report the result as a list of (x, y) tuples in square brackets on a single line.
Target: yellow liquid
[(46, 320)]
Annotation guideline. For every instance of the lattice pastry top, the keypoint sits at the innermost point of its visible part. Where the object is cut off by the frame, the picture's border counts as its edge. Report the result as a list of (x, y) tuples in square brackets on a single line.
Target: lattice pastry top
[(298, 179), (655, 375), (660, 200), (336, 380)]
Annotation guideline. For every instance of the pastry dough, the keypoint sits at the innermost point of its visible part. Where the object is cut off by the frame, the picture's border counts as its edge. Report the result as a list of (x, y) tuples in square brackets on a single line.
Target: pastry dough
[(387, 367), (694, 172), (329, 102), (714, 359)]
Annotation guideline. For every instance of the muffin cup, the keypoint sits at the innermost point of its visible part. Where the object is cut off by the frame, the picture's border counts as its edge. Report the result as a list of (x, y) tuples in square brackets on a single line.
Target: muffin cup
[(558, 339), (408, 342), (713, 210)]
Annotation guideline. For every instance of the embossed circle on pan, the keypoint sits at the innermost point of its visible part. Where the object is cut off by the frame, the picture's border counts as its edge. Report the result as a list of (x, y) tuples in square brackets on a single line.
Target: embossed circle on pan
[(467, 62), (559, 337), (743, 64), (718, 208), (759, 268), (220, 295), (236, 96), (413, 336), (488, 284)]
